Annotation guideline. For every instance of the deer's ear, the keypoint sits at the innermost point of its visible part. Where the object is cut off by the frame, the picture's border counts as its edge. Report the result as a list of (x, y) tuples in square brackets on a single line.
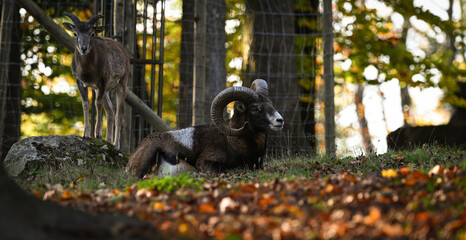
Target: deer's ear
[(99, 29), (69, 26)]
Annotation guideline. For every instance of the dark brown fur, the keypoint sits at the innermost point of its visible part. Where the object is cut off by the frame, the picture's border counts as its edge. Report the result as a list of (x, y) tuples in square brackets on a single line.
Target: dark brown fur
[(212, 151)]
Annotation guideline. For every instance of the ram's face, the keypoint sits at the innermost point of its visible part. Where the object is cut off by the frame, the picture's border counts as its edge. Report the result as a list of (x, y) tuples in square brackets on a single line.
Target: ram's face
[(264, 116)]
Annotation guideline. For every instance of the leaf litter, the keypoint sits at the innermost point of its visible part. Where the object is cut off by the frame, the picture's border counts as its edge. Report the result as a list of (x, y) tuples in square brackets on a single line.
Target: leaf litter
[(402, 203)]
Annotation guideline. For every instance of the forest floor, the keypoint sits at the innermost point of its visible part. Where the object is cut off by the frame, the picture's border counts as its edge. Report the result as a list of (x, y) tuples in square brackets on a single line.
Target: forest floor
[(417, 194)]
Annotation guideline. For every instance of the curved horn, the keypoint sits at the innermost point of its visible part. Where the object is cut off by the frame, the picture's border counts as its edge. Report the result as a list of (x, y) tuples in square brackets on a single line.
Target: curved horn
[(73, 18), (261, 87), (94, 19), (226, 96)]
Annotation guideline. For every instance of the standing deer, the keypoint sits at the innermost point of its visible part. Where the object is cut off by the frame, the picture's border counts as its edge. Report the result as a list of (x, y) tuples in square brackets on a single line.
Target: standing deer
[(101, 64)]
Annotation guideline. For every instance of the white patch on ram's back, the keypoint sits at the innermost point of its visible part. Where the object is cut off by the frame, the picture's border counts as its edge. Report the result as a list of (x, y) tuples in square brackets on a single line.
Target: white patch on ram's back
[(184, 137)]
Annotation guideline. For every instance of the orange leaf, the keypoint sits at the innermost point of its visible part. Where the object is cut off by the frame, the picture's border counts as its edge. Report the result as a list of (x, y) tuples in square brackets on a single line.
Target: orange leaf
[(37, 194), (219, 234), (415, 177), (373, 217), (248, 188), (266, 201), (66, 195), (206, 208), (165, 225), (329, 187), (404, 171), (423, 216), (159, 206), (419, 176), (182, 228), (116, 191)]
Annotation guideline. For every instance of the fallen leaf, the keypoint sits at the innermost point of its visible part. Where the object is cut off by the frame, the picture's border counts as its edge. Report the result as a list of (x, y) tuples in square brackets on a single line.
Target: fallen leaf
[(37, 194), (249, 188), (423, 216), (390, 173), (373, 217), (159, 207), (436, 170), (266, 201), (404, 171), (206, 208), (66, 195), (183, 228)]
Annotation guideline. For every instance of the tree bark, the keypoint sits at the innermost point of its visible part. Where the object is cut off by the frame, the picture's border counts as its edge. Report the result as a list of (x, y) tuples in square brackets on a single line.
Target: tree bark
[(215, 78), (306, 43), (26, 217), (12, 124), (269, 33), (363, 127), (184, 113), (329, 84), (5, 45), (209, 57), (404, 91)]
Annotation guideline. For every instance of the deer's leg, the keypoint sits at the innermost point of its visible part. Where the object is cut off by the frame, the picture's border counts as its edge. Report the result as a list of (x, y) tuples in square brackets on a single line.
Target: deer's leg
[(99, 103), (120, 103), (110, 117), (85, 101)]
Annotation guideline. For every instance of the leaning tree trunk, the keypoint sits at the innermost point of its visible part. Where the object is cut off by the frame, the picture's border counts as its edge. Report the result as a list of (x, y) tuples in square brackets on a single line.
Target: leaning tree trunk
[(269, 32), (26, 217)]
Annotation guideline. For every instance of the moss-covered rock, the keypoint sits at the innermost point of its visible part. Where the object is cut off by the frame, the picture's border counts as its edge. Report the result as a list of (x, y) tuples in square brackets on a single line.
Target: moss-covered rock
[(34, 153)]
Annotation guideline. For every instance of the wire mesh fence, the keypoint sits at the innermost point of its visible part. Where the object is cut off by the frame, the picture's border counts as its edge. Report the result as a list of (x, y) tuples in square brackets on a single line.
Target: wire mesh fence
[(183, 54)]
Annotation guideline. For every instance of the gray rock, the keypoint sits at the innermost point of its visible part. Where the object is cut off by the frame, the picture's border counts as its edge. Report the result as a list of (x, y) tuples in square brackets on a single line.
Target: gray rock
[(51, 149)]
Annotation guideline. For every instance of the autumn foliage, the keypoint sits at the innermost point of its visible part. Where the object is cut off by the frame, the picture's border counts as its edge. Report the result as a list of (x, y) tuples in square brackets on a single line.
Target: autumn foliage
[(402, 203)]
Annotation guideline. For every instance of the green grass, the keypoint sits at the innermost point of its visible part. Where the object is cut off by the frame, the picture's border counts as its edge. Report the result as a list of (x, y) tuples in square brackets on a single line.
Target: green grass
[(95, 175)]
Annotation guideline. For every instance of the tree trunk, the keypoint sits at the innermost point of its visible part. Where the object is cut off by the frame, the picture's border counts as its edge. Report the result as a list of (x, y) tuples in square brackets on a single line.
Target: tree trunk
[(329, 84), (184, 115), (269, 32), (26, 217), (209, 57), (404, 90), (12, 124), (363, 127), (215, 78), (6, 31), (122, 15), (306, 48)]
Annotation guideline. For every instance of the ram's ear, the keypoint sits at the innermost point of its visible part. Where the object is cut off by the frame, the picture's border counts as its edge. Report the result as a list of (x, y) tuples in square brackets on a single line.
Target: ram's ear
[(99, 29), (239, 107), (69, 26)]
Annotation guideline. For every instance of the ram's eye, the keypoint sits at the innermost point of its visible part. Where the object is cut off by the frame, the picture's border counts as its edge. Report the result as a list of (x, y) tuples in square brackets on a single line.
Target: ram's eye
[(255, 109), (75, 34), (92, 34)]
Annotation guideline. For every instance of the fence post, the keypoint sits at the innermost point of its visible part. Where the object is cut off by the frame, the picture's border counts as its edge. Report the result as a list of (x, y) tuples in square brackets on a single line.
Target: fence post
[(327, 31), (5, 36)]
